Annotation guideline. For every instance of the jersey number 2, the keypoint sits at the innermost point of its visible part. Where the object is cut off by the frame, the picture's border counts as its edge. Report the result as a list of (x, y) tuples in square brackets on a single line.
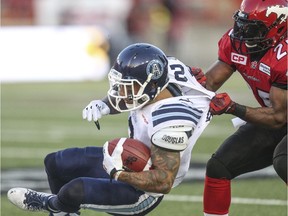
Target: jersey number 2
[(280, 52), (179, 72)]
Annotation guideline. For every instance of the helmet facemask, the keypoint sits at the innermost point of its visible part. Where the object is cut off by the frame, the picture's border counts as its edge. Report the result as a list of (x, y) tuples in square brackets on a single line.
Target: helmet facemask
[(252, 33), (128, 91)]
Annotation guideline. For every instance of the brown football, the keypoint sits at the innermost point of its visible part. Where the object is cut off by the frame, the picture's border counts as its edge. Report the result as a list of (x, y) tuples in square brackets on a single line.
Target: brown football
[(135, 155)]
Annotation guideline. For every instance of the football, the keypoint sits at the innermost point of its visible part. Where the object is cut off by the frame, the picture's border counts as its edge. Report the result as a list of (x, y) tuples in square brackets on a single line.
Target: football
[(135, 155)]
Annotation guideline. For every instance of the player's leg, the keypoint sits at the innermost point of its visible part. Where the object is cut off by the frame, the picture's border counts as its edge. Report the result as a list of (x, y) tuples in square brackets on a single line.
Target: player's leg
[(103, 195), (98, 194), (63, 166), (280, 159), (250, 148)]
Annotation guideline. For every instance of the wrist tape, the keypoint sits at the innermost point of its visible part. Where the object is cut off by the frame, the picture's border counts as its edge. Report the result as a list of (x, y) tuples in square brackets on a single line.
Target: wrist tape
[(238, 110), (114, 174)]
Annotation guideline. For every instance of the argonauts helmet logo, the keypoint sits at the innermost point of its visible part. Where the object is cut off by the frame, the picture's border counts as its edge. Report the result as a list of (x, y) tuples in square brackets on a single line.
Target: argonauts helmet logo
[(155, 67)]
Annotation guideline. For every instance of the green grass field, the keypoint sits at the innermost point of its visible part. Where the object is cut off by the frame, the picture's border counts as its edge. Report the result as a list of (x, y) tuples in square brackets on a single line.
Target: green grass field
[(38, 118)]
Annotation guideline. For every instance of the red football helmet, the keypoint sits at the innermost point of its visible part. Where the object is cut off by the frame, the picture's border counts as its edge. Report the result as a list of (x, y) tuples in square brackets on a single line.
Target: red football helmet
[(259, 24)]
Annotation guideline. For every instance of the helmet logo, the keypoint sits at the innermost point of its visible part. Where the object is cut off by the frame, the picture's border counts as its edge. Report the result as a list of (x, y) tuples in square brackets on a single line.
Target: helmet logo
[(242, 15), (278, 11), (156, 68)]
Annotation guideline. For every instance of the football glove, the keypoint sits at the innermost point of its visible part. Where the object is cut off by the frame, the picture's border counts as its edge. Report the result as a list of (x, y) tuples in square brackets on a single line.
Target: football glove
[(222, 103), (113, 164), (199, 75), (95, 110)]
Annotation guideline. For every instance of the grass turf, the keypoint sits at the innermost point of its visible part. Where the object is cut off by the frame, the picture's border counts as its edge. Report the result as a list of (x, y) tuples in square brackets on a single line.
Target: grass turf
[(38, 118)]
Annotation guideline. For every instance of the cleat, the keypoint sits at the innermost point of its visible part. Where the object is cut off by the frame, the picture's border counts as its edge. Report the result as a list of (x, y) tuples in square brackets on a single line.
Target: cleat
[(30, 200)]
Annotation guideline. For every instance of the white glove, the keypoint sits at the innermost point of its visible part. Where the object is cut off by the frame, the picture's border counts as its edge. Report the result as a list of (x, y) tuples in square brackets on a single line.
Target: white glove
[(113, 164), (95, 110)]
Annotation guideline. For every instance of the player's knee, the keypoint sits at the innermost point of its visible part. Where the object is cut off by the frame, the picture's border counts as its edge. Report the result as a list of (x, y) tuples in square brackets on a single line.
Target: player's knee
[(71, 195), (73, 190), (280, 159), (280, 166), (50, 163), (216, 169)]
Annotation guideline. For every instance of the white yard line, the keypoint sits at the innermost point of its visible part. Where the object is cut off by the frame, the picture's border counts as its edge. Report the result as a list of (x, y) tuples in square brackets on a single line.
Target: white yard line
[(235, 200)]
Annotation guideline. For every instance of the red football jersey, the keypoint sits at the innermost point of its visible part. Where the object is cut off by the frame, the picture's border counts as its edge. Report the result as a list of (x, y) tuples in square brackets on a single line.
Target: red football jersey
[(260, 75)]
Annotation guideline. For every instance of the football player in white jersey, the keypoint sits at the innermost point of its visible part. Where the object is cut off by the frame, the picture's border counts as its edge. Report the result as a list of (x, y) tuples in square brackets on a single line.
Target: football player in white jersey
[(168, 109)]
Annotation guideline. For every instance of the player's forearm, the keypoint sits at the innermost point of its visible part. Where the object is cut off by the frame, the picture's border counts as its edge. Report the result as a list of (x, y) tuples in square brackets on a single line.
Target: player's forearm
[(155, 181), (112, 110), (217, 75), (265, 116), (161, 178)]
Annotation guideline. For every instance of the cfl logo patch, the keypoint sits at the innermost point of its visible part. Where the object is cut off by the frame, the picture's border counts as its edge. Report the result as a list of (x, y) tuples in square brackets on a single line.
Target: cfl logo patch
[(239, 59)]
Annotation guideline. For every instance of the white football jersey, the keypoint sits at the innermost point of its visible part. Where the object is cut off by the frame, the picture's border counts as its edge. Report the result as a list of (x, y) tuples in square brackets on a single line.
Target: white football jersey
[(189, 109)]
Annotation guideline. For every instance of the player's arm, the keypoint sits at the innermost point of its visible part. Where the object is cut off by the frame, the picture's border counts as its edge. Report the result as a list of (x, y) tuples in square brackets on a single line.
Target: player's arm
[(160, 179), (112, 110), (217, 75), (272, 117), (165, 157)]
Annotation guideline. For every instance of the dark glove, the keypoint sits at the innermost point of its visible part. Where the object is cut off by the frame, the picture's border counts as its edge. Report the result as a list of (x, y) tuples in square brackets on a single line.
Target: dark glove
[(222, 103), (199, 75)]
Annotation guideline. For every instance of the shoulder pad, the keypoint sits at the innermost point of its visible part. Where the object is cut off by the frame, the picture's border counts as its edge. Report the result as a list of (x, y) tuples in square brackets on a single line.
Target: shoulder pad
[(173, 138)]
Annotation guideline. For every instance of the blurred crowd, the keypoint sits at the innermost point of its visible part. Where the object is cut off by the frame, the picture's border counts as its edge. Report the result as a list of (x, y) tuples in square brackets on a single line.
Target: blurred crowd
[(165, 23)]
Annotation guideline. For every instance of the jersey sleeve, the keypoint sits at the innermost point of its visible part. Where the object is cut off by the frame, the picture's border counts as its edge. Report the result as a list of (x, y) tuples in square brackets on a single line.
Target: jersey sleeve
[(279, 72), (172, 125), (225, 49), (279, 79), (173, 114)]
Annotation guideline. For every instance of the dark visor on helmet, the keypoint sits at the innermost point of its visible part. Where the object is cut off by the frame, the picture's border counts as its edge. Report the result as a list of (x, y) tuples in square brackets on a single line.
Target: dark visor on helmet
[(248, 31)]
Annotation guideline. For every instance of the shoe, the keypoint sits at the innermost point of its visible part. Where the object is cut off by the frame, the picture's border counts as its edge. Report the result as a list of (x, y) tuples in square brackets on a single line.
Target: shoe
[(30, 200)]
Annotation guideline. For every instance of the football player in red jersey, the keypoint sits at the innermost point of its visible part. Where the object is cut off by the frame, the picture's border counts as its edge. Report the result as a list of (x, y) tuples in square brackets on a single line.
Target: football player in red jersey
[(256, 47)]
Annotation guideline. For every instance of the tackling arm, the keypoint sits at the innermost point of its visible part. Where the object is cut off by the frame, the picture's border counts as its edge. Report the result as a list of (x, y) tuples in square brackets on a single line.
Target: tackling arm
[(273, 117), (217, 75)]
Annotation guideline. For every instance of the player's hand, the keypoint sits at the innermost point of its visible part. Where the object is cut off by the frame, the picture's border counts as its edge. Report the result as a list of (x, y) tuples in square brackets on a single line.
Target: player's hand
[(221, 103), (95, 110), (199, 75), (113, 163)]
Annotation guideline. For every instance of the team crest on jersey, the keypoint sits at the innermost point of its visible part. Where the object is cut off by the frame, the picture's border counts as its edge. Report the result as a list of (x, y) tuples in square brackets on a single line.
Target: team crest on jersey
[(264, 68), (278, 11), (254, 64), (239, 59), (155, 67)]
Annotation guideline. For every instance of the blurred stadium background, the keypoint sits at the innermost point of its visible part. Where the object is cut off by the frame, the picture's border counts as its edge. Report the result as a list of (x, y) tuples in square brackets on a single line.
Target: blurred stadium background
[(54, 59)]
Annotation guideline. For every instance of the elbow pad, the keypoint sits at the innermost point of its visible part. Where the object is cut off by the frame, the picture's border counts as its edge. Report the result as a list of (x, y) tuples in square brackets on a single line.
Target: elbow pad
[(173, 138)]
